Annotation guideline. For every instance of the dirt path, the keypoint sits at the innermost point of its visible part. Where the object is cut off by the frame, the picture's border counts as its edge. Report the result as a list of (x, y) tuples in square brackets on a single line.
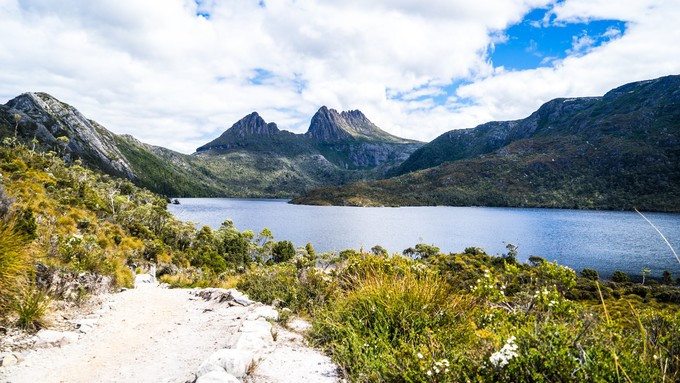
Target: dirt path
[(151, 334)]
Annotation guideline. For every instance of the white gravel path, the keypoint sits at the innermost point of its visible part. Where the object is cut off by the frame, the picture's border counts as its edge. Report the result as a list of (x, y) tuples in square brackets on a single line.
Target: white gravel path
[(154, 334)]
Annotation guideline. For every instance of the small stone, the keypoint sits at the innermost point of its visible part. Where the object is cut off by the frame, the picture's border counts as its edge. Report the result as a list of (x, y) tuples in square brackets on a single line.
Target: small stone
[(20, 357), (8, 360), (51, 338)]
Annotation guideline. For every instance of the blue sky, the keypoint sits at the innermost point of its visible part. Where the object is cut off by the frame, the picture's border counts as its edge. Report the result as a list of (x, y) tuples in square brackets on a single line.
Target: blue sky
[(177, 73), (536, 42)]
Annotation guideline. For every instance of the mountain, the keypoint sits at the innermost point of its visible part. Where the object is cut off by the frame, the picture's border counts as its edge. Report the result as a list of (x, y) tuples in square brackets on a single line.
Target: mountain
[(251, 159), (617, 151), (349, 140)]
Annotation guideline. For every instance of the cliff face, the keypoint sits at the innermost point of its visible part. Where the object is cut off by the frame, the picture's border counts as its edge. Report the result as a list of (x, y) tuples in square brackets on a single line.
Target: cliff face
[(347, 139), (46, 118)]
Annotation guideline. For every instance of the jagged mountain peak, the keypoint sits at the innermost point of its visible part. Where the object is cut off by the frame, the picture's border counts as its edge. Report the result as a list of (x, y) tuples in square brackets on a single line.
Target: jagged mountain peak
[(253, 124), (330, 126)]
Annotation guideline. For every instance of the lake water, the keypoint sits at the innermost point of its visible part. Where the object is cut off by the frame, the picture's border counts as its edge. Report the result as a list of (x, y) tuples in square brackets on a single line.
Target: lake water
[(602, 240)]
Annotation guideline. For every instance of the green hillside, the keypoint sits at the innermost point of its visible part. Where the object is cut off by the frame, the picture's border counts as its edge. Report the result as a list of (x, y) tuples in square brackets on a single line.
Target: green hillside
[(618, 151)]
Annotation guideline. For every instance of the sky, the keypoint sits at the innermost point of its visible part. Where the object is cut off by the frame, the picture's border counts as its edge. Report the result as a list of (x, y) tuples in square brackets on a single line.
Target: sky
[(177, 73)]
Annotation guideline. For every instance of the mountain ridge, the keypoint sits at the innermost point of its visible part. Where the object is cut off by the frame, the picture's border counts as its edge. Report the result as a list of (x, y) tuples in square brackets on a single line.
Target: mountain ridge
[(617, 151), (253, 158)]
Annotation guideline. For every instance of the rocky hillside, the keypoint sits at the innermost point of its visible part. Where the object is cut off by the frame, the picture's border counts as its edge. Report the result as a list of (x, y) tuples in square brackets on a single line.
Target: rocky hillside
[(251, 159), (618, 151), (349, 140)]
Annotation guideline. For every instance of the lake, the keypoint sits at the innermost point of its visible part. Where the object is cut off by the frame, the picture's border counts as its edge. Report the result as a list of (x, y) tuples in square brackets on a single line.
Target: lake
[(602, 240)]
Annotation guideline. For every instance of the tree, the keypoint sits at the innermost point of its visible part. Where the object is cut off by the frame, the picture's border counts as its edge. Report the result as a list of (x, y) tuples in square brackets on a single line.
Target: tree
[(422, 250), (667, 278), (283, 251), (536, 261), (17, 118), (379, 251), (425, 251), (645, 273), (620, 277), (590, 274), (310, 250)]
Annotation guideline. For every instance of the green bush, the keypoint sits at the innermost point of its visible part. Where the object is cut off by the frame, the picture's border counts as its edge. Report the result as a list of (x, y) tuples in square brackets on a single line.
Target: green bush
[(395, 328), (283, 251), (620, 277), (590, 274), (300, 290)]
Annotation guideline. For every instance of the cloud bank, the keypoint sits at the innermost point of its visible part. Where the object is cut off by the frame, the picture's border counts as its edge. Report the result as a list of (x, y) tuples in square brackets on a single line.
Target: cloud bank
[(177, 73)]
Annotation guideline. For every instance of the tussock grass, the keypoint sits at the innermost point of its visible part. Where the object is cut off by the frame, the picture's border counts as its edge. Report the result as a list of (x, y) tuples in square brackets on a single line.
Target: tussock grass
[(31, 305), (391, 327), (14, 263)]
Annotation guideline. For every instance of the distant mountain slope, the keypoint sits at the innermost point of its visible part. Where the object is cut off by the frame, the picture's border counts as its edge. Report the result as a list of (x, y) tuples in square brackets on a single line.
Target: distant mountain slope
[(251, 159), (347, 139), (624, 111), (618, 151)]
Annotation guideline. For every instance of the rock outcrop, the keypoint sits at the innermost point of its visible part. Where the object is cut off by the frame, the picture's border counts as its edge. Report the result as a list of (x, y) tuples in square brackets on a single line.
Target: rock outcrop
[(46, 118), (258, 343)]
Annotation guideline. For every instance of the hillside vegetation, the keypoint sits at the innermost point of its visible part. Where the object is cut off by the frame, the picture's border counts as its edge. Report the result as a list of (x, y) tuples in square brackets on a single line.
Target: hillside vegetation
[(618, 151), (250, 159), (471, 317), (421, 317)]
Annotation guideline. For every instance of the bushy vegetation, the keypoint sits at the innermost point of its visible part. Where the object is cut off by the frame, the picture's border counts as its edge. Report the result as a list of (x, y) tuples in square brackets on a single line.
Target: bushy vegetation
[(474, 317), (75, 220)]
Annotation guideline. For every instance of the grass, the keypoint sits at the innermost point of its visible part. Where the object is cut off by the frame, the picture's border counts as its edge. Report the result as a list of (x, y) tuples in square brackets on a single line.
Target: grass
[(450, 318), (14, 263), (31, 306), (394, 327)]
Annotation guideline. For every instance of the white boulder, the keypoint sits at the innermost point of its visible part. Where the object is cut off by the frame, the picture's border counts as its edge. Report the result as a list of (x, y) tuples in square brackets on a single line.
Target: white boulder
[(266, 312), (217, 376), (144, 280), (232, 361), (256, 326)]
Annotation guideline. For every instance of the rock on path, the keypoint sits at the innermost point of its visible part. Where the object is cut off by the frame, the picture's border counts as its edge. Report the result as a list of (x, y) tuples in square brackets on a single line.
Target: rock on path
[(153, 334)]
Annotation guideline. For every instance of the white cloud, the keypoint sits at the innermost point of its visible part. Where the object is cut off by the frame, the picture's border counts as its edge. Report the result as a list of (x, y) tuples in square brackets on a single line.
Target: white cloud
[(647, 49), (158, 71)]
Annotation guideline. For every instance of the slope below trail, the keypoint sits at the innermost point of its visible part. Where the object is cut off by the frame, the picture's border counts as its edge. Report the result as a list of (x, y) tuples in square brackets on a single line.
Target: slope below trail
[(151, 334)]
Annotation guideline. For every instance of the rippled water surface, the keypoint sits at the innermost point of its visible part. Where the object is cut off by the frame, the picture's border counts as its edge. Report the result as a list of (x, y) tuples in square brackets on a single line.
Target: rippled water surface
[(603, 240)]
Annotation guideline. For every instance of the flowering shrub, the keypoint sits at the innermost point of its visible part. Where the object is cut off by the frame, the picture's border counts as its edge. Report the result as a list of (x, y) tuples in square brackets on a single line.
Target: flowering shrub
[(502, 357)]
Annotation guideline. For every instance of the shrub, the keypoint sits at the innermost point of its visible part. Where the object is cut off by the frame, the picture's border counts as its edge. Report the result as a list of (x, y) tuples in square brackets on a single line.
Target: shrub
[(389, 328), (590, 274), (620, 277), (283, 251), (300, 290)]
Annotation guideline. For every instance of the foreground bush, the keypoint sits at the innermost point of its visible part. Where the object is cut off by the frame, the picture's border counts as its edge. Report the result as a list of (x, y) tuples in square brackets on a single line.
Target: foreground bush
[(390, 327), (301, 290)]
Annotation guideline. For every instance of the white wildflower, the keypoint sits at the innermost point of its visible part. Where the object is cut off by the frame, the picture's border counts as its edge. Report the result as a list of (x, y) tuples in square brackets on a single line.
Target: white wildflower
[(507, 353), (420, 356)]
